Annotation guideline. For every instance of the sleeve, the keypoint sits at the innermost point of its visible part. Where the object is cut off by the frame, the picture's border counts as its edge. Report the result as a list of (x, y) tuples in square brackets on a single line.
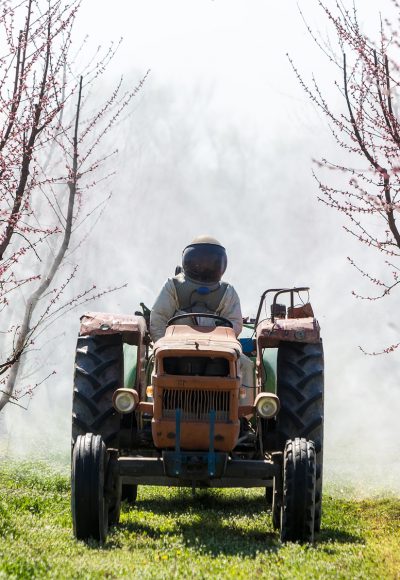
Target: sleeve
[(230, 308), (164, 308)]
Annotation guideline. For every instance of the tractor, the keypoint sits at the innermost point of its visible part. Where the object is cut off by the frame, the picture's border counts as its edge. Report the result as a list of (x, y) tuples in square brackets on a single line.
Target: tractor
[(175, 413)]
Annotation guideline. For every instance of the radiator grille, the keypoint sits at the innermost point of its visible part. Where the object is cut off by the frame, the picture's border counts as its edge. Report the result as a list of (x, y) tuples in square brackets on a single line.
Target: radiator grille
[(196, 404)]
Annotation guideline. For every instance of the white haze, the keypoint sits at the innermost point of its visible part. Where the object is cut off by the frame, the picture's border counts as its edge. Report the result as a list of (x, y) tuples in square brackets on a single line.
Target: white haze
[(220, 141)]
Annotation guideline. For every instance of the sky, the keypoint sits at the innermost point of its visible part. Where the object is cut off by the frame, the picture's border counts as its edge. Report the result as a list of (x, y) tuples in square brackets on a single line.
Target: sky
[(220, 140)]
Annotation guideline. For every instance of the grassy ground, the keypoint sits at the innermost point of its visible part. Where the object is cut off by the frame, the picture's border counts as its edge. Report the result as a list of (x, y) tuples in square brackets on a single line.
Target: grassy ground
[(217, 534)]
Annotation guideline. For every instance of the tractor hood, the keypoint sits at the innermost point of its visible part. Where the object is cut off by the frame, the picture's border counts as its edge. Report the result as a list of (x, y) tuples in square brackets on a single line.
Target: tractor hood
[(181, 337)]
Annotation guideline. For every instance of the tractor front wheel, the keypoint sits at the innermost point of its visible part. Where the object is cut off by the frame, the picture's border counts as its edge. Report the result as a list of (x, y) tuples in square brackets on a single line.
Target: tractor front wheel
[(88, 502), (299, 485)]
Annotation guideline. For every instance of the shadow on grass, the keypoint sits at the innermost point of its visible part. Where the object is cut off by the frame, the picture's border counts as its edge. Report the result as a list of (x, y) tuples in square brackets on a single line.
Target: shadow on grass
[(204, 502), (221, 526), (208, 535), (340, 536)]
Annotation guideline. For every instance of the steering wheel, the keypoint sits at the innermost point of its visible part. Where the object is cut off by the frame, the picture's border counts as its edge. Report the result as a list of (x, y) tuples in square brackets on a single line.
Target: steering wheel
[(194, 315)]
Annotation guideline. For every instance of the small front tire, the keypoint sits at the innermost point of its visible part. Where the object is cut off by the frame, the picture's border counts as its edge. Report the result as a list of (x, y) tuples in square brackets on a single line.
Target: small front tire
[(88, 502), (299, 486)]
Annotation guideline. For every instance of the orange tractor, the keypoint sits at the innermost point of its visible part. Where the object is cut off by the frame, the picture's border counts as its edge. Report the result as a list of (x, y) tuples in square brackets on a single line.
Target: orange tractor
[(176, 414)]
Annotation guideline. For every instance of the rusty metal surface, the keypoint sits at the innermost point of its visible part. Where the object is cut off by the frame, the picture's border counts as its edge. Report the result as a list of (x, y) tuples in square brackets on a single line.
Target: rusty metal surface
[(270, 334), (199, 338), (130, 326), (196, 349), (195, 396), (145, 407), (195, 384), (303, 311), (246, 410), (195, 435)]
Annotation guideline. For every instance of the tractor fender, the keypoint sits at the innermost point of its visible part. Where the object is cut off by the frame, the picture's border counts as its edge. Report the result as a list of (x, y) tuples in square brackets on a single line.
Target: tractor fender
[(270, 334), (130, 326)]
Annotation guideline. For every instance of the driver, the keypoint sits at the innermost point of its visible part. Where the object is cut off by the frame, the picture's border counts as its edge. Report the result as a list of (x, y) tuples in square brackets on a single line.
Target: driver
[(198, 288)]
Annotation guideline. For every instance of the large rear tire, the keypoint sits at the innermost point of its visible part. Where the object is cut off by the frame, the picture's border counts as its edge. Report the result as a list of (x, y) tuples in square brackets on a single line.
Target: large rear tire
[(300, 388), (298, 499), (98, 372), (88, 502)]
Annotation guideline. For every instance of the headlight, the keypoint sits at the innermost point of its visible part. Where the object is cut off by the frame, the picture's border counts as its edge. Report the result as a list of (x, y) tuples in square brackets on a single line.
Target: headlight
[(267, 405), (125, 400)]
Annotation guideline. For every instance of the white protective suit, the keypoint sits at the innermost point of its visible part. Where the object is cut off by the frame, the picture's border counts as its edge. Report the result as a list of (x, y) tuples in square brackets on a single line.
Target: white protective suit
[(167, 305)]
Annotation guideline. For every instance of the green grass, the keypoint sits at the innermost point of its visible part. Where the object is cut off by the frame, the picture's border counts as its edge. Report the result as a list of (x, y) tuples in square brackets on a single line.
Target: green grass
[(168, 534)]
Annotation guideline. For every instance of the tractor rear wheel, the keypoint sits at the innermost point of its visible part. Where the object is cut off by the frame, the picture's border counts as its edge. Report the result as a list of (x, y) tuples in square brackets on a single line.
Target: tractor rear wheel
[(98, 372), (300, 388), (298, 499), (88, 502)]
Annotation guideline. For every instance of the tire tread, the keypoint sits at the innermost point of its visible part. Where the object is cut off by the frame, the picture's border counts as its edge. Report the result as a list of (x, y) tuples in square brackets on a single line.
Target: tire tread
[(98, 372), (298, 504)]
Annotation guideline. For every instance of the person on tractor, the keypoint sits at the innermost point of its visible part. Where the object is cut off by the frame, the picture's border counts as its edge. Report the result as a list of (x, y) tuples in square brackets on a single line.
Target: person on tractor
[(199, 288)]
